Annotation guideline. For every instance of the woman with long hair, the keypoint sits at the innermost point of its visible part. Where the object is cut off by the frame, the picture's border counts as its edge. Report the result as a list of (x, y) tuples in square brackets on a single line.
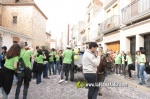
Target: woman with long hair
[(8, 71), (39, 65), (130, 64)]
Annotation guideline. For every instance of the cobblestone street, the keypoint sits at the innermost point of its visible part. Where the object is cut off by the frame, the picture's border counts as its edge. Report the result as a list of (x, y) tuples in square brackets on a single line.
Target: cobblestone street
[(50, 89)]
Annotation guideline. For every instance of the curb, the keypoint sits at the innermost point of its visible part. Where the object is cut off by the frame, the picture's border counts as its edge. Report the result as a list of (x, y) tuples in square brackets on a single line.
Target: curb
[(136, 85)]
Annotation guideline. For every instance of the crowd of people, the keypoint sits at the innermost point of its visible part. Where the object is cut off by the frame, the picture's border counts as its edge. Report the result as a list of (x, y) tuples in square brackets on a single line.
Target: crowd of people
[(124, 63), (16, 65), (97, 64)]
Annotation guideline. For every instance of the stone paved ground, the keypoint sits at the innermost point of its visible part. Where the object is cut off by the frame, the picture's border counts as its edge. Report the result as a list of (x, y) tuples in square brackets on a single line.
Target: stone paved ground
[(50, 89)]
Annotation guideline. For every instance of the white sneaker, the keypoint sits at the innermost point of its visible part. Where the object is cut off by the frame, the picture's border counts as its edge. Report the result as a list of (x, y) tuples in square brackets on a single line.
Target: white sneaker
[(34, 80), (61, 81), (118, 74), (66, 81)]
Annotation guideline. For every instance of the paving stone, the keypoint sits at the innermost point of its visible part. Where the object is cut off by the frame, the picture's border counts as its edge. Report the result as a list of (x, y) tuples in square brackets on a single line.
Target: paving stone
[(50, 89)]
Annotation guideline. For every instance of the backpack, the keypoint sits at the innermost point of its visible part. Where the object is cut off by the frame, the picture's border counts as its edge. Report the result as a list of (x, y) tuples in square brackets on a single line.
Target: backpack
[(21, 64)]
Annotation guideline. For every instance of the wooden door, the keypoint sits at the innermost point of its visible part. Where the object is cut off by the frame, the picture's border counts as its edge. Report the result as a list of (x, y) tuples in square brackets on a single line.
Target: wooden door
[(115, 46)]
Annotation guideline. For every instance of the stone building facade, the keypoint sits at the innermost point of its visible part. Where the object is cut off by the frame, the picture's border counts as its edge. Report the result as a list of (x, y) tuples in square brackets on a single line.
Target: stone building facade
[(25, 17)]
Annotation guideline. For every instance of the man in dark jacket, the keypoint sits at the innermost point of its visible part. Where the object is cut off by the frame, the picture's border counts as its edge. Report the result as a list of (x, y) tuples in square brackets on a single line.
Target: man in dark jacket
[(45, 69)]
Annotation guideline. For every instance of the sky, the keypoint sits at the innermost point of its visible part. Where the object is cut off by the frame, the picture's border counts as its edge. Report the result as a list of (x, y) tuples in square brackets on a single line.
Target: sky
[(62, 12)]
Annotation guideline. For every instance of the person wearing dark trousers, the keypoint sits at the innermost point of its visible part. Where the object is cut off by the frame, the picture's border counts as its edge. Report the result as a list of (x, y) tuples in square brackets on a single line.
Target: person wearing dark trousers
[(34, 64), (123, 64), (90, 62), (39, 66), (130, 64), (67, 60), (45, 63), (8, 70), (26, 74), (61, 59)]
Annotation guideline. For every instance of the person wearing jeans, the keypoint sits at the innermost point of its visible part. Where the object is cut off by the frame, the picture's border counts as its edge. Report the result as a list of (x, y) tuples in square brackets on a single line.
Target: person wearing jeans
[(90, 62), (39, 66), (123, 64), (137, 63), (22, 78), (51, 61), (130, 64), (45, 70), (57, 63), (51, 66), (93, 90), (142, 60), (24, 75)]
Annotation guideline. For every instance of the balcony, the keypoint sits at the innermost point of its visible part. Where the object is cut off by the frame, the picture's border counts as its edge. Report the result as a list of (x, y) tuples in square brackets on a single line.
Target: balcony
[(108, 3), (136, 11), (96, 35), (111, 24)]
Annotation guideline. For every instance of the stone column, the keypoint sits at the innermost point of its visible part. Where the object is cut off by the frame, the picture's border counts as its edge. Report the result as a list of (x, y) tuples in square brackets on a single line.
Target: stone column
[(127, 44), (139, 42)]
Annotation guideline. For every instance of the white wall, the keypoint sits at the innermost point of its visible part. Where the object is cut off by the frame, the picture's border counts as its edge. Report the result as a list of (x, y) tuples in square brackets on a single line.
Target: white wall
[(135, 30), (7, 40)]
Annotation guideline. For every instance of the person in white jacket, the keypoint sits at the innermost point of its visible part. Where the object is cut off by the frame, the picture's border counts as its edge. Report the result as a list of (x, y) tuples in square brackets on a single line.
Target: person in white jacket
[(90, 62)]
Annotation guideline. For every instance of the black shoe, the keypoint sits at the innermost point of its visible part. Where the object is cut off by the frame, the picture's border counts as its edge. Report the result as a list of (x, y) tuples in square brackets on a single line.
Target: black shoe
[(100, 94), (140, 83)]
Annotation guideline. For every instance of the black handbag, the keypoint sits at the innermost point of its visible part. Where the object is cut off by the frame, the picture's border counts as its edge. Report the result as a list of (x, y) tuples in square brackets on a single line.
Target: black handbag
[(147, 67)]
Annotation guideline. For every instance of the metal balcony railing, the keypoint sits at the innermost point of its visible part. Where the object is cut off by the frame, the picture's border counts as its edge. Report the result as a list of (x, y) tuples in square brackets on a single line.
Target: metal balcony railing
[(136, 10), (111, 24), (96, 35)]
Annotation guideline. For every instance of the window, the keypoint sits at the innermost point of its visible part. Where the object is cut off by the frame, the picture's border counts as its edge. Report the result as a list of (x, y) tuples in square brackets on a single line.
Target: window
[(115, 10), (14, 19), (17, 1)]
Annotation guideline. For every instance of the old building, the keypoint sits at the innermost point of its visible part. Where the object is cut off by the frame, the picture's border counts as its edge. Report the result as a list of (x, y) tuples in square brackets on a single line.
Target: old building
[(76, 36), (25, 17), (135, 33), (91, 11), (48, 39), (110, 27)]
